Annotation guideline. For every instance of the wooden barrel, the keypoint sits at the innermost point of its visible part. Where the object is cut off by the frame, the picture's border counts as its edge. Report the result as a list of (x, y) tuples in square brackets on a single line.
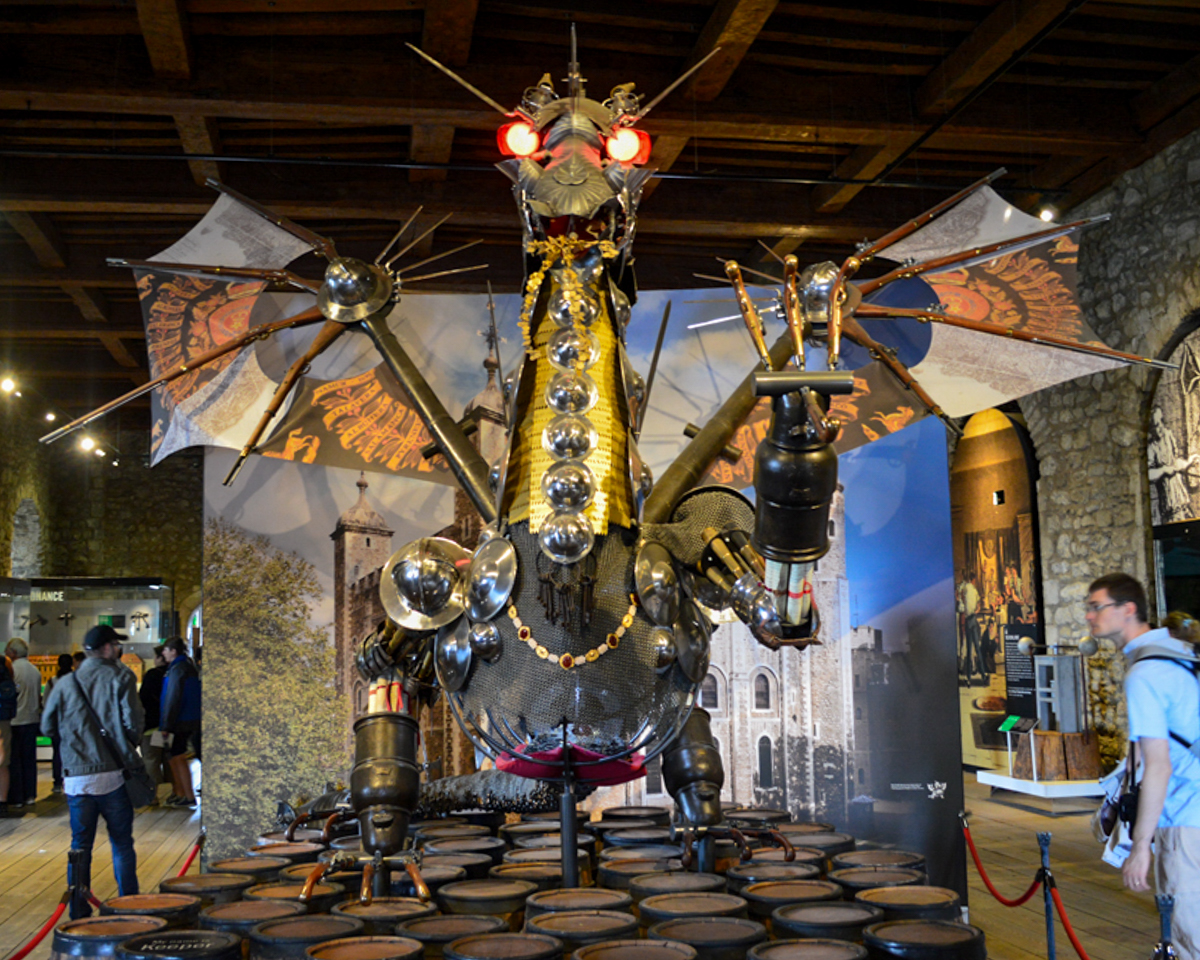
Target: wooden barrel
[(578, 928), (808, 950), (475, 865), (178, 909), (585, 841), (924, 940), (296, 852), (576, 898), (545, 876), (324, 895), (97, 938), (829, 920), (618, 874), (808, 855), (483, 818), (433, 933), (740, 877), (299, 872), (659, 815), (764, 897), (914, 903), (504, 946), (512, 832), (673, 906), (209, 887), (829, 843), (713, 938), (553, 855), (637, 836), (435, 878), (289, 937), (543, 816), (636, 950), (261, 869), (367, 948), (799, 828), (381, 915), (497, 898), (600, 827), (182, 945), (242, 916), (877, 858), (652, 851), (302, 835), (853, 880), (653, 884), (493, 847), (447, 831), (757, 817)]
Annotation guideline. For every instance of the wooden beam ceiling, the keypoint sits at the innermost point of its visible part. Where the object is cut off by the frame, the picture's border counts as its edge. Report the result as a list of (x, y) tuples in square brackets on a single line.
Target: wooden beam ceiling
[(113, 114)]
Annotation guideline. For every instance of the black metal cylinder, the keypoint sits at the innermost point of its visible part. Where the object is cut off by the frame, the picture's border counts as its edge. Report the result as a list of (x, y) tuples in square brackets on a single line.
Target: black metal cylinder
[(385, 782), (795, 476), (693, 772)]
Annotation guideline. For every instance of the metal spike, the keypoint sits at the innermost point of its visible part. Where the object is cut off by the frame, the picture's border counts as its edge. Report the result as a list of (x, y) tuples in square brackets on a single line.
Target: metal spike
[(399, 234), (459, 80)]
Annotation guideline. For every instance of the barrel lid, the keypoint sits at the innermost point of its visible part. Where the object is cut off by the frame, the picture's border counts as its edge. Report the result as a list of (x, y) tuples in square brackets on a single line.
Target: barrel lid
[(878, 858), (580, 898), (573, 924), (284, 849), (803, 827), (367, 948), (711, 931), (489, 889), (931, 932), (300, 871), (691, 904), (255, 911), (415, 825), (533, 872), (290, 891), (459, 858), (758, 815), (633, 811), (182, 945), (914, 895), (452, 830), (877, 876), (541, 854), (537, 841), (650, 884), (200, 882), (543, 815), (636, 950), (441, 873), (114, 925), (301, 835), (310, 928), (791, 891), (832, 912), (140, 902), (529, 828), (444, 929), (753, 872), (399, 907), (808, 950), (250, 864), (778, 855), (444, 845), (646, 851), (826, 840), (637, 836), (603, 826), (505, 946)]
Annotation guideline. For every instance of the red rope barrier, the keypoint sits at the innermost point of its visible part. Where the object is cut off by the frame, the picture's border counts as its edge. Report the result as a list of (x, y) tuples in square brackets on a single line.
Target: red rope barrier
[(1062, 914), (46, 928), (1023, 898), (191, 856)]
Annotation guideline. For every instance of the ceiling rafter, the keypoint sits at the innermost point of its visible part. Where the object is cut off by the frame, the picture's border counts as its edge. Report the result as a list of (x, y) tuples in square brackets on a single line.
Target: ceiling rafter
[(731, 29)]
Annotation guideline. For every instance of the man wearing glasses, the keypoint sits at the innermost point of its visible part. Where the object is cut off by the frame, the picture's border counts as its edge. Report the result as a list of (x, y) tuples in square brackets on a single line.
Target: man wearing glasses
[(1163, 700)]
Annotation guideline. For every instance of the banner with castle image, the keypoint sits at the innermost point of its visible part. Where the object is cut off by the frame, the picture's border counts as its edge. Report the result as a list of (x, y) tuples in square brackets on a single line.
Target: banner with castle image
[(854, 732)]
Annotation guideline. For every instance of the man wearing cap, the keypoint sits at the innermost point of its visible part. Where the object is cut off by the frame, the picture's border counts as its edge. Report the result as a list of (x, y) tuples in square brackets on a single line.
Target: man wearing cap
[(93, 778)]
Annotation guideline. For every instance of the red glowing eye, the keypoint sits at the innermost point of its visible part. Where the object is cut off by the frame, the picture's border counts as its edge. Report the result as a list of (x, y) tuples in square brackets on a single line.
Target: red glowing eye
[(517, 139), (627, 145)]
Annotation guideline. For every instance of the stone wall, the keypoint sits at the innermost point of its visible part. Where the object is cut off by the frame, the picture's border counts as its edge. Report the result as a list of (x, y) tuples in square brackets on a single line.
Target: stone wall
[(100, 520), (1139, 280)]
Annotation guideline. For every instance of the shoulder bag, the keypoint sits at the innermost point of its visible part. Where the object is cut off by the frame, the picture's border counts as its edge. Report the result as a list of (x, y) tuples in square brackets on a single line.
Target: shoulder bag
[(138, 785)]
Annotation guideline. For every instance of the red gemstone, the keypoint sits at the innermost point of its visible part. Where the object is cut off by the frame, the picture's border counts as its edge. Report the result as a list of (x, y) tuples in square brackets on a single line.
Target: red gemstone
[(524, 633), (613, 640), (567, 661)]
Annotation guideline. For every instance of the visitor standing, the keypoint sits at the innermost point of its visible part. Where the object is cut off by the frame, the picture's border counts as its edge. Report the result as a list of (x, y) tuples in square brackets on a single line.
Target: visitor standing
[(153, 742), (66, 664), (8, 710), (1163, 700), (100, 697), (180, 717), (22, 788)]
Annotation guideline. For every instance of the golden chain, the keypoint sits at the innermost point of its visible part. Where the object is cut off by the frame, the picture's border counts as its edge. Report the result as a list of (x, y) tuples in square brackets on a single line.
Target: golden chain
[(569, 660), (552, 249)]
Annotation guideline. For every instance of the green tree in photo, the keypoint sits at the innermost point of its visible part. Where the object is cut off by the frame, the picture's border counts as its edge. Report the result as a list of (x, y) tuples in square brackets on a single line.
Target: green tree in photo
[(274, 725)]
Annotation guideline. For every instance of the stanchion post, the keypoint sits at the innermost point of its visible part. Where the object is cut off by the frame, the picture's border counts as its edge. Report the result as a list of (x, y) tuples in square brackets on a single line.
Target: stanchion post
[(1043, 839)]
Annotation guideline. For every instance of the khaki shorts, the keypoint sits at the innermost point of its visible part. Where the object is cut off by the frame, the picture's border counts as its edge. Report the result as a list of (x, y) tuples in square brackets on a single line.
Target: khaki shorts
[(1177, 872), (5, 742)]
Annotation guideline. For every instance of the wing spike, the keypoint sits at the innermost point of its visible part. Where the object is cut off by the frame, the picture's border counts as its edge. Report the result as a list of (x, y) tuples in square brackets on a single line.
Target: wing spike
[(439, 256), (447, 273), (662, 96), (461, 82), (399, 233), (412, 243)]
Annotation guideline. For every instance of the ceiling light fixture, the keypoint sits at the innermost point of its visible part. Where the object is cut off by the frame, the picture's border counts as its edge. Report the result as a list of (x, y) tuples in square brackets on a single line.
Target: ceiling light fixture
[(8, 385), (1047, 214), (87, 443), (51, 417)]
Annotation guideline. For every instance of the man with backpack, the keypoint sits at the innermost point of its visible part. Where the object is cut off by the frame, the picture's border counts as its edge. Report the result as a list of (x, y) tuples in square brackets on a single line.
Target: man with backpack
[(1163, 700)]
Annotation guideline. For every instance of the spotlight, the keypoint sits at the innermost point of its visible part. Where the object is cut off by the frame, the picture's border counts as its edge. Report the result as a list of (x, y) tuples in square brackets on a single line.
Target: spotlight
[(87, 443), (116, 463), (98, 452), (8, 385), (1047, 214), (51, 417)]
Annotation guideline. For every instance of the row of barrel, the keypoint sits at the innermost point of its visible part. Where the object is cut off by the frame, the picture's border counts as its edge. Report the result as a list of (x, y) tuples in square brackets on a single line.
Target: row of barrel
[(499, 889)]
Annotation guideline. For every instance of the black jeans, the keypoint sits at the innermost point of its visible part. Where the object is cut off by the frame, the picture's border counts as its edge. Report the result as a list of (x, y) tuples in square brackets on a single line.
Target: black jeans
[(22, 786)]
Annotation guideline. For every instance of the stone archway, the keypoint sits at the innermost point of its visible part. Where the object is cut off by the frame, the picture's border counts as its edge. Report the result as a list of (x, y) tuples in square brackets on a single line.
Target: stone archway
[(27, 541)]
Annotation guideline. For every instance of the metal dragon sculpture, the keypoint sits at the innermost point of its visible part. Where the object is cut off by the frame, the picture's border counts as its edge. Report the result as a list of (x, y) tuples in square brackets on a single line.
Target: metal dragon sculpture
[(571, 641)]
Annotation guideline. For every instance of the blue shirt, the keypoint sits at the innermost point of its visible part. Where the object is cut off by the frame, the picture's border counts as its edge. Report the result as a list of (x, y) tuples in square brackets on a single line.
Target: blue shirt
[(1164, 698)]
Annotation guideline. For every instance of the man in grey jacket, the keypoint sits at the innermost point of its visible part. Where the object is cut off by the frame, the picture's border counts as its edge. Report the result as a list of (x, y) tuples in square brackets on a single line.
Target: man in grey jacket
[(93, 778)]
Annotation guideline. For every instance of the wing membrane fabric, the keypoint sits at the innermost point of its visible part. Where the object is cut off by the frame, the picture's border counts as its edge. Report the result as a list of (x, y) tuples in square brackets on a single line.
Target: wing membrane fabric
[(185, 316)]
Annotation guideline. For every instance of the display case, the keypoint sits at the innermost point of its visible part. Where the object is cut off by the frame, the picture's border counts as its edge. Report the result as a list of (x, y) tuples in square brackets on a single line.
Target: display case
[(14, 609)]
